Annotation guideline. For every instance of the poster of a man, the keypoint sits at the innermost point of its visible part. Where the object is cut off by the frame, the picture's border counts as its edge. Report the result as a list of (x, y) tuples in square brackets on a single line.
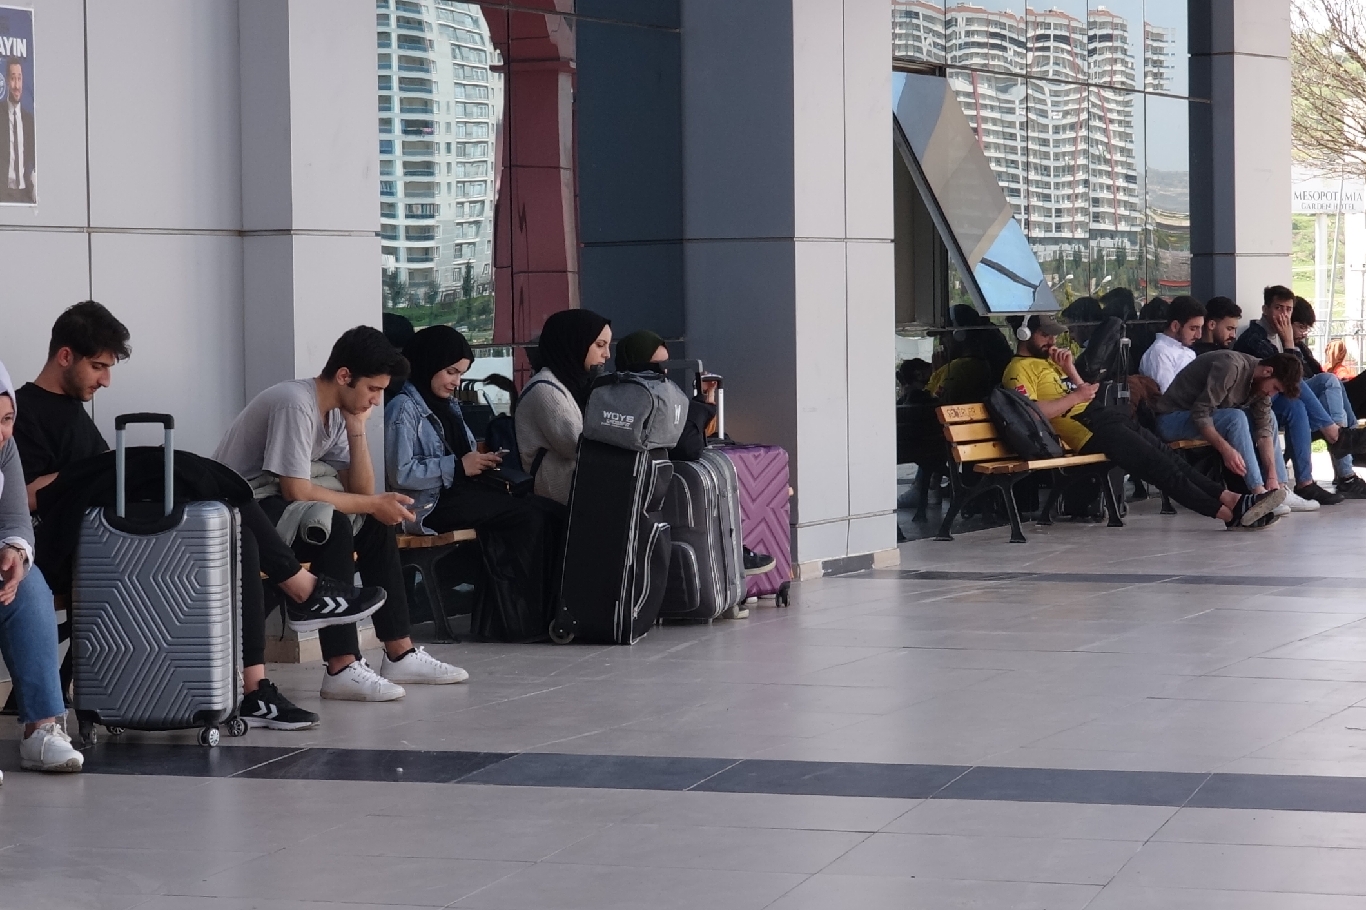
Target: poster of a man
[(18, 169)]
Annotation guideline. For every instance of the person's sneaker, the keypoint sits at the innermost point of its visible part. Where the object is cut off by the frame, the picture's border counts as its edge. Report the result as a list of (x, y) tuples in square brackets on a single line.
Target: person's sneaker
[(1298, 503), (48, 748), (1281, 510), (1265, 521), (333, 604), (359, 683), (758, 563), (1252, 508), (267, 707), (1350, 441), (1350, 487), (1315, 493), (418, 668)]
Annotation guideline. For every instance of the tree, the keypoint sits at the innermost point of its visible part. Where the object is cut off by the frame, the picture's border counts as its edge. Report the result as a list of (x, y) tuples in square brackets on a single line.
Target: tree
[(1328, 79), (467, 283), (395, 290)]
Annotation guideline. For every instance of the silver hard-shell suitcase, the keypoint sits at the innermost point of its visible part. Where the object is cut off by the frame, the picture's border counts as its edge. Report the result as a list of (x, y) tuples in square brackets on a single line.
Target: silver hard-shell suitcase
[(156, 612), (706, 573)]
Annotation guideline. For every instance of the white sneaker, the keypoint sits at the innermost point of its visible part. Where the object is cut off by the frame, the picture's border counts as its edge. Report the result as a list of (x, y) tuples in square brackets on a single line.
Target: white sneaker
[(1281, 510), (1298, 503), (418, 668), (48, 748), (359, 683)]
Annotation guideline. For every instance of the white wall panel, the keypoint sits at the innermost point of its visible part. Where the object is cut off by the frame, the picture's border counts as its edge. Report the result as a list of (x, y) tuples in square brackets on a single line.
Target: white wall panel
[(181, 298), (872, 400), (165, 137), (818, 117), (867, 119), (822, 390), (44, 273)]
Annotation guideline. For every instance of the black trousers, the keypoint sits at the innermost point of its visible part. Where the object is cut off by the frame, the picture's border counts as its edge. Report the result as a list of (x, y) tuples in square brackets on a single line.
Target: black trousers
[(521, 542), (373, 552), (262, 551), (1144, 455)]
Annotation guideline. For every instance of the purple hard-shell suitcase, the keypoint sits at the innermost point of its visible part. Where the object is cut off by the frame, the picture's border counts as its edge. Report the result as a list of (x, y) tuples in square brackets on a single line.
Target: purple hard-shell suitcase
[(764, 512)]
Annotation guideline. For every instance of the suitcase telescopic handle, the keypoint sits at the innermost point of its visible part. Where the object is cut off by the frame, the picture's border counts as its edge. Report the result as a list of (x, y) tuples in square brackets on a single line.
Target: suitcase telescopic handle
[(121, 422)]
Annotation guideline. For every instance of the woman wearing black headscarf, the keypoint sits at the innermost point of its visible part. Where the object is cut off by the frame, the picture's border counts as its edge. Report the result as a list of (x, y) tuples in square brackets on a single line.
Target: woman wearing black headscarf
[(431, 455), (573, 347)]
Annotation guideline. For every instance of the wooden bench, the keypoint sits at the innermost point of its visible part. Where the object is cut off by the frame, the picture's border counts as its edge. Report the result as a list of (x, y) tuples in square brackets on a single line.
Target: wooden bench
[(975, 444), (422, 552)]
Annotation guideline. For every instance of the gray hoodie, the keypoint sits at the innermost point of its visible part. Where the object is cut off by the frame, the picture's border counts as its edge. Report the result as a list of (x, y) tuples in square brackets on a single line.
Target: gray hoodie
[(16, 527)]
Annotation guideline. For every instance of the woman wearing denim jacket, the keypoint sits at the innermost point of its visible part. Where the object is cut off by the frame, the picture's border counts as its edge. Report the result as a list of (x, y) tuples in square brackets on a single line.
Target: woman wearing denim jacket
[(430, 455)]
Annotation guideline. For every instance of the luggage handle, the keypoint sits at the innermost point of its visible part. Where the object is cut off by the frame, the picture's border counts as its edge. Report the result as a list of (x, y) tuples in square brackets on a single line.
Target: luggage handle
[(121, 422), (695, 366)]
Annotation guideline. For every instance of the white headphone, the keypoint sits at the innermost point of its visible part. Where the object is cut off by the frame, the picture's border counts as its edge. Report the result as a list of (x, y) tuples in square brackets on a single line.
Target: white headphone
[(1024, 333)]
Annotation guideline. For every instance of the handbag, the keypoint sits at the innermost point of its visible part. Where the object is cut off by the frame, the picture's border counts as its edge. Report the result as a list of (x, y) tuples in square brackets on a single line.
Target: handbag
[(506, 478)]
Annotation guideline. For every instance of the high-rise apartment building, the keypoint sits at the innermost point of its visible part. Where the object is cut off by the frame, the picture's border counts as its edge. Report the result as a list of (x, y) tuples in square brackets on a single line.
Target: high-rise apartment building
[(440, 103)]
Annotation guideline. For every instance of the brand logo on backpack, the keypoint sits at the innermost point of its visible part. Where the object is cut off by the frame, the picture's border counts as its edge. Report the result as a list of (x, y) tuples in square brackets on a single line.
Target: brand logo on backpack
[(618, 421), (678, 413)]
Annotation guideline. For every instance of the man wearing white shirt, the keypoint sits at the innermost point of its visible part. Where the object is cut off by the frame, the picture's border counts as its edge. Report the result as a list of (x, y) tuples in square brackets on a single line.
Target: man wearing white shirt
[(16, 139), (1171, 352)]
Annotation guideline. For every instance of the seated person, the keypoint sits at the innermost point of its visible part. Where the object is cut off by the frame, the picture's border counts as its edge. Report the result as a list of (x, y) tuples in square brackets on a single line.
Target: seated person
[(573, 346), (54, 431), (430, 455), (28, 623), (1224, 398), (913, 377), (1081, 318), (1222, 319), (1047, 375), (1336, 360), (303, 441), (1171, 349), (1274, 334), (639, 352), (1143, 333), (1328, 389)]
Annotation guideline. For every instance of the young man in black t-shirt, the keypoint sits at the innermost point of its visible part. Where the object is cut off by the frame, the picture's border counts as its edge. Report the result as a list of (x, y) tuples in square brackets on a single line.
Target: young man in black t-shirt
[(54, 431)]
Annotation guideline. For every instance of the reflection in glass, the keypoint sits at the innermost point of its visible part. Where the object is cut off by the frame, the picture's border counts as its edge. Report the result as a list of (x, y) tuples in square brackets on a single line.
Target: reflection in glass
[(918, 30), (1167, 227), (436, 214), (1059, 224), (995, 107), (961, 186), (1116, 189), (1057, 40), (987, 34), (1115, 41), (1166, 61)]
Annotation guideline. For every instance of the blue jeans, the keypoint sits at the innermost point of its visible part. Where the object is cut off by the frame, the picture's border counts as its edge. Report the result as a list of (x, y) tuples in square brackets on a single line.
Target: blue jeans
[(1328, 392), (1233, 425), (1300, 417), (28, 643)]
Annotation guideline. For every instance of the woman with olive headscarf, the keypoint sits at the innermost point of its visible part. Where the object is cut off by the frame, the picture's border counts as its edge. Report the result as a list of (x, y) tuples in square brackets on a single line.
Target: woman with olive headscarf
[(573, 347), (431, 455)]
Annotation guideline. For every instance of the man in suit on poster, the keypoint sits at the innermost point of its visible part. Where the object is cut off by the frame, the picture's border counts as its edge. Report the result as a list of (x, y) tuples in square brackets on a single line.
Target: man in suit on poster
[(16, 139)]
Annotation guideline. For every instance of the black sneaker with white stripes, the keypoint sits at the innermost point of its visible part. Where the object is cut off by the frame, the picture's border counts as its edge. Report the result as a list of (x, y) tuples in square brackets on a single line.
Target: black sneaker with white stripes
[(266, 707), (333, 604)]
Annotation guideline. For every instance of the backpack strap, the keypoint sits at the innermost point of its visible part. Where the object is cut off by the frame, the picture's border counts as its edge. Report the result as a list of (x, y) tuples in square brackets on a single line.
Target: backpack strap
[(536, 462)]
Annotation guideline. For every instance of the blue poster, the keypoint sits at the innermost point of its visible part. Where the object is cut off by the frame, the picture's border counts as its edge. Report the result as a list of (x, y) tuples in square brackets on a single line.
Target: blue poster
[(18, 170)]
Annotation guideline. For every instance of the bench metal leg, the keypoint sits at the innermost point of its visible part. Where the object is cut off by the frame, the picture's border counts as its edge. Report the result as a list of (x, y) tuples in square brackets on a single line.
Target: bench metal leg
[(957, 499), (1109, 482), (1167, 507), (1007, 487), (1054, 494)]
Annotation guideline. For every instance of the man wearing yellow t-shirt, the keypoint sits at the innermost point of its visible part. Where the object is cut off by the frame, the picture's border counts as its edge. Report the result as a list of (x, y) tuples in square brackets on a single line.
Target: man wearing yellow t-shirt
[(1046, 374)]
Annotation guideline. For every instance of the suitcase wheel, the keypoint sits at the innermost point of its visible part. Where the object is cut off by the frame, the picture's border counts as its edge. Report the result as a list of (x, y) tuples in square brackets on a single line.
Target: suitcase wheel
[(784, 596), (87, 731), (236, 727), (560, 635), (208, 737), (116, 731)]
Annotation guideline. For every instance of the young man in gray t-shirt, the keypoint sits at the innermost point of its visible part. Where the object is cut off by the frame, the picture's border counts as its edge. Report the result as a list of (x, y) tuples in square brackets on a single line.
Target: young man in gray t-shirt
[(309, 435)]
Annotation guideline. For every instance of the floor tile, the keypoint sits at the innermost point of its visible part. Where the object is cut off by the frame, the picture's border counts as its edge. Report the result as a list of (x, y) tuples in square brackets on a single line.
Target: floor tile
[(826, 891), (551, 886)]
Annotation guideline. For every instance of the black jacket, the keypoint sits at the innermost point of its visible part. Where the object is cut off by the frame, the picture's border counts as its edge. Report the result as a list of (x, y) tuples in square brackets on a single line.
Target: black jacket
[(1258, 343), (694, 438), (90, 484)]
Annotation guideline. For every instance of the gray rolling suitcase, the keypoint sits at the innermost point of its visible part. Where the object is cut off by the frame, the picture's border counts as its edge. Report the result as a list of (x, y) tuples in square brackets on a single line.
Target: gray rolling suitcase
[(156, 612), (706, 572)]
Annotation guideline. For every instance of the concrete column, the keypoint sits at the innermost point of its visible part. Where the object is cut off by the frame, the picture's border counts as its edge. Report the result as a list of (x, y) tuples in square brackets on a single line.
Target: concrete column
[(310, 216), (1240, 155), (789, 262)]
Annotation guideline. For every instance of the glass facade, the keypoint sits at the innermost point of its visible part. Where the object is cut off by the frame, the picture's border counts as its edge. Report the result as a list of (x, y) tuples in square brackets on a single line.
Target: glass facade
[(1082, 111)]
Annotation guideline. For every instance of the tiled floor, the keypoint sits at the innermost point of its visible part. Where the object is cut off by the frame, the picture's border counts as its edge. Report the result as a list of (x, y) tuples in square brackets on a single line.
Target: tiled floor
[(1162, 716)]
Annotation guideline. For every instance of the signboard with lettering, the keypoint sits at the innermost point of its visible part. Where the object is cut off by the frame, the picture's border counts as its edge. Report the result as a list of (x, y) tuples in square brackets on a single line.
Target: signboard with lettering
[(18, 171), (1312, 194)]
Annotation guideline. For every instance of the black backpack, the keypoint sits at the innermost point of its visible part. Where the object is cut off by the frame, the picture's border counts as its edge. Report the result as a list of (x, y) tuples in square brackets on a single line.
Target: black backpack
[(1022, 427), (1106, 355)]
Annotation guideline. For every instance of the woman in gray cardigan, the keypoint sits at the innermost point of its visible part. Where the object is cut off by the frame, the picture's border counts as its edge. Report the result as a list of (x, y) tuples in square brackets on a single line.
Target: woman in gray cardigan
[(28, 625), (574, 345)]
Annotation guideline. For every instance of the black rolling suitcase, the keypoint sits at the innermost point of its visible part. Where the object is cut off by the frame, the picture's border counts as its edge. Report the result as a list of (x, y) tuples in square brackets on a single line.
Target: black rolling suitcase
[(616, 560)]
